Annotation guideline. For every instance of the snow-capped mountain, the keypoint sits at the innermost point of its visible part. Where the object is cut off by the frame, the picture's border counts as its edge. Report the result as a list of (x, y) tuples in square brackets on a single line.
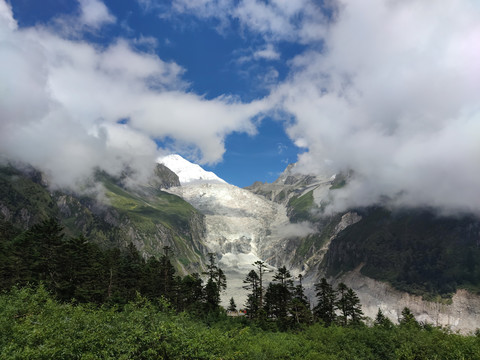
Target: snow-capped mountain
[(188, 172), (281, 224), (241, 227)]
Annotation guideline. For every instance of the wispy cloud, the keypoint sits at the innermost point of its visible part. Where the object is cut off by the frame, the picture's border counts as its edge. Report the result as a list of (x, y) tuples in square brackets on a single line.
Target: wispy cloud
[(275, 20), (268, 53)]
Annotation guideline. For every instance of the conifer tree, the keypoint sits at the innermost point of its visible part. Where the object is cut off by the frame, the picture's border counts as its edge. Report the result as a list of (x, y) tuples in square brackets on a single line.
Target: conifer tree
[(300, 307), (408, 319), (232, 306), (48, 237), (325, 308), (167, 272), (349, 306), (130, 273), (279, 295), (382, 320), (354, 308), (261, 270), (252, 304), (342, 303), (216, 283), (190, 294)]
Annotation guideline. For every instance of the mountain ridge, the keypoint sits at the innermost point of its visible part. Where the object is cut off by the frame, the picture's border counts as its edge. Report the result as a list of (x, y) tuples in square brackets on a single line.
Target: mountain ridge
[(282, 224)]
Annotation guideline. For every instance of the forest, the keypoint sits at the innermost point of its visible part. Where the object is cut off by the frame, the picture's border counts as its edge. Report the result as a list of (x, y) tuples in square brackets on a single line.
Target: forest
[(67, 298)]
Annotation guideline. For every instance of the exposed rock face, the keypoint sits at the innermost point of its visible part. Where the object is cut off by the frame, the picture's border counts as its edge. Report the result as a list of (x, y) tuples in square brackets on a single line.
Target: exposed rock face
[(241, 228), (462, 314), (291, 183), (165, 178), (110, 214), (5, 212), (347, 219)]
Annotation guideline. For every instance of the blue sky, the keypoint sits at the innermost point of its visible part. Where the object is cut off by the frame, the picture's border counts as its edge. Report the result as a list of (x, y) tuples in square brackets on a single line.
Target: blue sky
[(388, 89), (215, 62)]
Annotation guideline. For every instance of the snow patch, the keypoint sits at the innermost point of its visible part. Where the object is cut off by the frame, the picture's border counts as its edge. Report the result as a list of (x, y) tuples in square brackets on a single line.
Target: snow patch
[(187, 172)]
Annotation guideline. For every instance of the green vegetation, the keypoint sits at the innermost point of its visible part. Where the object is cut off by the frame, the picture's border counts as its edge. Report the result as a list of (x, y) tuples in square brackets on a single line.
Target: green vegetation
[(166, 208), (35, 326), (28, 201), (300, 208), (415, 251), (74, 269), (339, 182), (314, 242), (152, 216), (66, 298)]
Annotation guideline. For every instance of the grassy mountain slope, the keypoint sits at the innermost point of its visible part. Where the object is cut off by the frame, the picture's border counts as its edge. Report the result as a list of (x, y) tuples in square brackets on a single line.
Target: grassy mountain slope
[(150, 218)]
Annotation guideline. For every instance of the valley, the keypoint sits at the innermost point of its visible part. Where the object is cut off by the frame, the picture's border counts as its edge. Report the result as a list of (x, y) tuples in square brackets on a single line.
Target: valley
[(392, 259)]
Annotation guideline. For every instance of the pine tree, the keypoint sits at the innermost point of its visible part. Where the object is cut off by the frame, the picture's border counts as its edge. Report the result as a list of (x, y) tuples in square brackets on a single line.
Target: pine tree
[(408, 319), (190, 294), (7, 257), (342, 303), (354, 307), (152, 284), (83, 271), (382, 321), (216, 283), (232, 306), (252, 304), (279, 295), (167, 274), (261, 270), (48, 239), (325, 309), (349, 306), (130, 273), (299, 306)]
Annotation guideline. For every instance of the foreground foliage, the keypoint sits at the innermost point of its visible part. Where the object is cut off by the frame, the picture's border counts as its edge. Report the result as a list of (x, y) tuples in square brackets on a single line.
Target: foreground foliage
[(35, 326)]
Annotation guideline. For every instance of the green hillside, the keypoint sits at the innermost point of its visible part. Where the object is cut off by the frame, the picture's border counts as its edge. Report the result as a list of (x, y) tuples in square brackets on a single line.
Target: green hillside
[(148, 217), (414, 250), (35, 326)]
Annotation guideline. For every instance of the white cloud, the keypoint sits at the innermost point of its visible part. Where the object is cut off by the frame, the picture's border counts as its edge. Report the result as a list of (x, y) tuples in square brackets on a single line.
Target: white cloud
[(394, 95), (275, 20), (7, 16), (301, 229), (94, 13), (91, 17), (268, 53), (76, 93)]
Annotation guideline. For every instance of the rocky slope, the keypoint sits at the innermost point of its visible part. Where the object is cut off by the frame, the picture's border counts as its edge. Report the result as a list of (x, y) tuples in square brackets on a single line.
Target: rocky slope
[(110, 213), (461, 313), (392, 259), (410, 257), (240, 227)]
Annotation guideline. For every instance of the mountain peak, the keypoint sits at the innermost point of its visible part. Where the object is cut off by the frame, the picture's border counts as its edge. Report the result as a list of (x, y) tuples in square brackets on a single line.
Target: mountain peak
[(189, 172)]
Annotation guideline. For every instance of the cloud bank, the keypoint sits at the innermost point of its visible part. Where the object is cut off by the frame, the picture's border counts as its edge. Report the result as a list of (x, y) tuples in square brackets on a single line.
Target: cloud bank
[(68, 107), (392, 92), (389, 89), (393, 95)]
